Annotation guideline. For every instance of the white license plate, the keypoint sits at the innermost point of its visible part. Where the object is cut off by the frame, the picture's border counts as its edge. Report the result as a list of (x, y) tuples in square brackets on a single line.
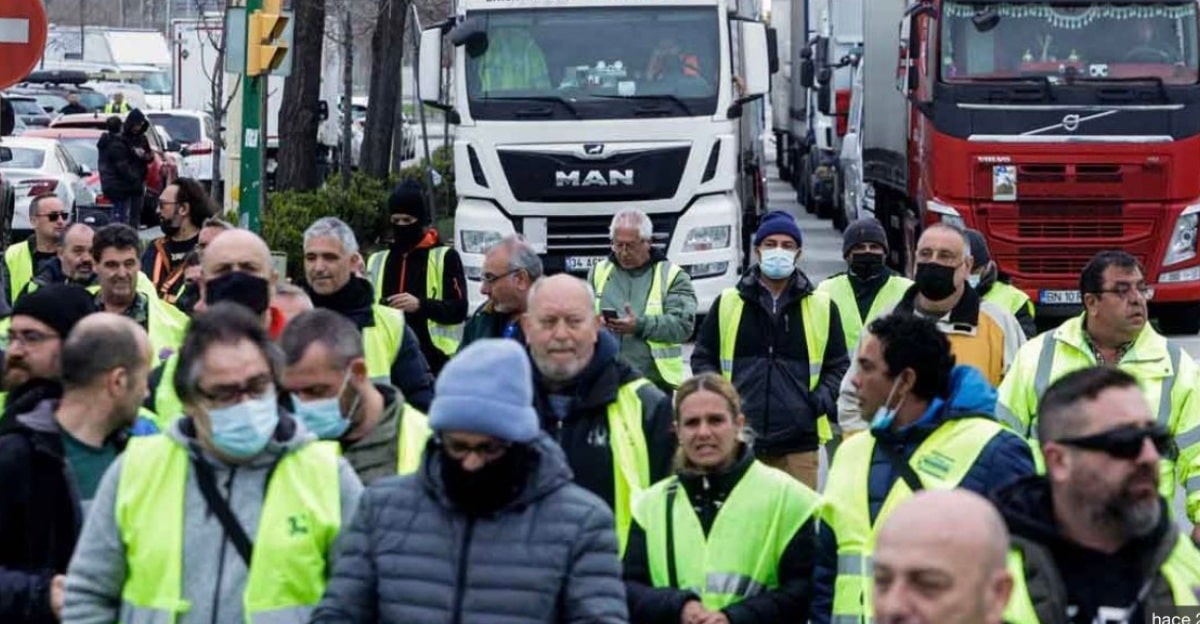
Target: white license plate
[(582, 263), (1060, 296)]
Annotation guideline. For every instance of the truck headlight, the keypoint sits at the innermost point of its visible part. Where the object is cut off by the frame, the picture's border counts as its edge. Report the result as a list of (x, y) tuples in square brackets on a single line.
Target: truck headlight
[(706, 238), (947, 213), (1183, 238), (479, 241)]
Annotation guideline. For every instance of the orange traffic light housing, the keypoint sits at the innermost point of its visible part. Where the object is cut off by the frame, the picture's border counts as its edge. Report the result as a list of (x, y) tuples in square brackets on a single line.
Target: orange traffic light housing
[(265, 50)]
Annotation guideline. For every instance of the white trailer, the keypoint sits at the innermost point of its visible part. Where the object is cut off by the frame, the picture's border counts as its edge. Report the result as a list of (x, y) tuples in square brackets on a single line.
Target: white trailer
[(142, 57)]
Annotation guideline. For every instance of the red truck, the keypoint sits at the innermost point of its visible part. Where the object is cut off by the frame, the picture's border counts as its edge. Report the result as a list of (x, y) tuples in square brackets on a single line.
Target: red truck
[(1057, 128)]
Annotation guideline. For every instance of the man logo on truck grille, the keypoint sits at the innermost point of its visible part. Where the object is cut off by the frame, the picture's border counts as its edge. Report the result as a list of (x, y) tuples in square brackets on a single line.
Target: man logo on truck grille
[(593, 177), (593, 149)]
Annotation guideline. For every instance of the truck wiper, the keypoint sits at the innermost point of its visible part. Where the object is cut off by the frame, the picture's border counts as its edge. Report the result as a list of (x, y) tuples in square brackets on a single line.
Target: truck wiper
[(652, 96), (540, 98), (1157, 80), (1044, 81)]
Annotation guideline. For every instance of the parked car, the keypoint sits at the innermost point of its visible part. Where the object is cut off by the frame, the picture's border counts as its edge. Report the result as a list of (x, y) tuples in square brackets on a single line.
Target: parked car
[(197, 136), (49, 101), (40, 165), (81, 143), (29, 111)]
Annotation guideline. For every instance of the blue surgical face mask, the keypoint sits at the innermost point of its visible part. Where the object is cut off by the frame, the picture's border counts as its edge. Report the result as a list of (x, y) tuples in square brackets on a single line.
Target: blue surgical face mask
[(884, 416), (324, 417), (242, 430), (777, 263), (973, 280)]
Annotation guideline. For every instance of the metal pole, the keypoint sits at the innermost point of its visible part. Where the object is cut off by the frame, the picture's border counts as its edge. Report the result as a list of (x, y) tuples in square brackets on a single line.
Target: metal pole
[(254, 138)]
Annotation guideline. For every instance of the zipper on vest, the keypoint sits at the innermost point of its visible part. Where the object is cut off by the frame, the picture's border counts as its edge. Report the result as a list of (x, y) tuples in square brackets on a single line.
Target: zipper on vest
[(460, 584)]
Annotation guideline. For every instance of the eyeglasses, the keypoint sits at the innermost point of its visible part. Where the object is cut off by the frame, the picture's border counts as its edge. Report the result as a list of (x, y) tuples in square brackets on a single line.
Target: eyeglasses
[(459, 450), (627, 246), (1126, 442), (55, 216), (29, 337), (492, 279), (1125, 289), (229, 393), (164, 203)]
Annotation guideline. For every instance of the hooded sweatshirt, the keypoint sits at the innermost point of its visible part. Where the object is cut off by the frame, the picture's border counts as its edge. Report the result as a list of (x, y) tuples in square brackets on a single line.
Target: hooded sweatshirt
[(1069, 582), (214, 575), (122, 170)]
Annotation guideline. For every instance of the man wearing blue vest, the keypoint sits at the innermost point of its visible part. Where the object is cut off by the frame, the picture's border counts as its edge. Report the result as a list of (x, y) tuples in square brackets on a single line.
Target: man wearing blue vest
[(645, 300), (1093, 540), (392, 350), (231, 515), (781, 344), (333, 396), (422, 277), (933, 429)]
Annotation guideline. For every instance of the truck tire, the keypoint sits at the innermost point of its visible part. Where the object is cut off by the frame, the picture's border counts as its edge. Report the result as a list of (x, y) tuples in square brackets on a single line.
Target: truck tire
[(1178, 319)]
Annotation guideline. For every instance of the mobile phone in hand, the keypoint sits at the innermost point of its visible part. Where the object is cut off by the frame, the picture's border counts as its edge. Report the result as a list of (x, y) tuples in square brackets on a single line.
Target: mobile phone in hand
[(609, 314)]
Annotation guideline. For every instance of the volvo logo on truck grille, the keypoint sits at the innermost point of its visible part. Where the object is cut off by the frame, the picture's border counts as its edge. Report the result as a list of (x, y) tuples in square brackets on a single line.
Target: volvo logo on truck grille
[(594, 177)]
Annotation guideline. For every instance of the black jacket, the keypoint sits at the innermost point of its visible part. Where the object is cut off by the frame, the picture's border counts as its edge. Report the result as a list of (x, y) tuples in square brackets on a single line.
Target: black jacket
[(405, 271), (40, 515), (122, 170), (707, 493), (486, 323), (584, 434), (1063, 575), (410, 372), (770, 365)]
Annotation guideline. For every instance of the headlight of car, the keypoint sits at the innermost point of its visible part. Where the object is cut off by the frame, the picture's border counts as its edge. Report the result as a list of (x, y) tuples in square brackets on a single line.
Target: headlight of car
[(479, 241), (1183, 238)]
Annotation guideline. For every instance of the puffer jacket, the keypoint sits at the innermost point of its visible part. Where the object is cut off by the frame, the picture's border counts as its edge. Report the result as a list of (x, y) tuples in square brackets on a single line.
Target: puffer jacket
[(771, 365), (1004, 459), (410, 556)]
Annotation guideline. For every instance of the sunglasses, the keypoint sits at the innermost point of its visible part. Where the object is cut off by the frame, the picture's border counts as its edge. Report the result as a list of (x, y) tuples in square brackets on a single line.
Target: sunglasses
[(1126, 442), (55, 216)]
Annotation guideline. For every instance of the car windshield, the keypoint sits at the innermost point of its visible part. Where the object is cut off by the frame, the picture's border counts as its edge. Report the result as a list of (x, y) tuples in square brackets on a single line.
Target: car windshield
[(83, 150), (153, 83), (92, 100), (181, 128), (24, 158), (610, 62), (50, 102), (26, 107), (1094, 41)]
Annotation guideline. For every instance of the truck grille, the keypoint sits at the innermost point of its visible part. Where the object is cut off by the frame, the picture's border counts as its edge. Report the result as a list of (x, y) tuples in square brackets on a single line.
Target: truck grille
[(588, 236), (1055, 262)]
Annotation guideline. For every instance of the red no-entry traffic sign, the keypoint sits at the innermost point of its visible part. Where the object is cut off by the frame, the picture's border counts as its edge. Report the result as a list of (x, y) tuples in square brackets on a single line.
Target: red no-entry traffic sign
[(22, 38)]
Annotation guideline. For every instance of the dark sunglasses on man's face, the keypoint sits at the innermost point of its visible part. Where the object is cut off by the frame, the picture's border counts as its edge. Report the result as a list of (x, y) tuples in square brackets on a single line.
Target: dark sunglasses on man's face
[(1125, 442)]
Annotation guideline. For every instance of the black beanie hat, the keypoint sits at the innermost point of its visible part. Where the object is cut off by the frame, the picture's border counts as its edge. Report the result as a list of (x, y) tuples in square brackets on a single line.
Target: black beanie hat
[(408, 199), (979, 248), (865, 230), (60, 306)]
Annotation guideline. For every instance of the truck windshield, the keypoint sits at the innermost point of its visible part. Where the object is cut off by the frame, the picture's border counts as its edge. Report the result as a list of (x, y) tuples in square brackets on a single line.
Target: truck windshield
[(152, 83), (1095, 41), (594, 63)]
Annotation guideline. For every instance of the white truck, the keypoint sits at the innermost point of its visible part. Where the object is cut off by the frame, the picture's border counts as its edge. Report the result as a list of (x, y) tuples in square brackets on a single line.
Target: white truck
[(196, 43), (567, 111), (141, 57)]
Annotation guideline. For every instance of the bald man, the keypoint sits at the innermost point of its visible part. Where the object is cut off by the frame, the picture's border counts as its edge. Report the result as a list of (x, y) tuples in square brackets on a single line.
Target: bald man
[(577, 379), (940, 559), (58, 452)]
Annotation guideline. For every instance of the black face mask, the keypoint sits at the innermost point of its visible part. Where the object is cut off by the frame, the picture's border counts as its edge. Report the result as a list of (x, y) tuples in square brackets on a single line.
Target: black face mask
[(866, 265), (490, 488), (249, 290), (407, 236), (935, 281)]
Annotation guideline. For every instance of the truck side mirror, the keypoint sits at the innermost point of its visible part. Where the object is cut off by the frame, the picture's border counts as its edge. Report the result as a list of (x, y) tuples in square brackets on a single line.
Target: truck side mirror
[(755, 60), (6, 154), (773, 50), (824, 91), (430, 63), (808, 70)]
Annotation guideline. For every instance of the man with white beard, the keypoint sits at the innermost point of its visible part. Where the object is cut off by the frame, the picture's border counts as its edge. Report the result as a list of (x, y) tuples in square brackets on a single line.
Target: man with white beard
[(612, 423), (1092, 540)]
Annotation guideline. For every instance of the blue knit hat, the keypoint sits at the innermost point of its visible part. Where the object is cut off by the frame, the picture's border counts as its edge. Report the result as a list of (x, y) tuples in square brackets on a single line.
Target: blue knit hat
[(487, 389), (777, 222)]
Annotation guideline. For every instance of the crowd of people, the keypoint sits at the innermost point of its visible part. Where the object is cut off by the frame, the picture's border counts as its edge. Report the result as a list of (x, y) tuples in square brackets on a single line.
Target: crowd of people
[(188, 437)]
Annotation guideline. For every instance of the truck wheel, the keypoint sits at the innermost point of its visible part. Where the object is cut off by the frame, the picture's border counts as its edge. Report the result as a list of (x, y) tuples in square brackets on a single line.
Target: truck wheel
[(1179, 319)]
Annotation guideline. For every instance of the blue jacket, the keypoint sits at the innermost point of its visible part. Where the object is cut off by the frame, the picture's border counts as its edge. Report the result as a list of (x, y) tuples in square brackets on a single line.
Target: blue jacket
[(1006, 458)]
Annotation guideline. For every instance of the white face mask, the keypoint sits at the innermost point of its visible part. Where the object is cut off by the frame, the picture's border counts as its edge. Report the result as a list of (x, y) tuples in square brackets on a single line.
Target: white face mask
[(884, 416), (973, 280)]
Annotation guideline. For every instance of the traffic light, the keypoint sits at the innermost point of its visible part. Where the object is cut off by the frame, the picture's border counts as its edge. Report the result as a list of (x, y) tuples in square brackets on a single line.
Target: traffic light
[(265, 49)]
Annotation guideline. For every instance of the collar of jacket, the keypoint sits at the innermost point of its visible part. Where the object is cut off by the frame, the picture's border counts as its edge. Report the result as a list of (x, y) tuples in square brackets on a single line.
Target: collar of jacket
[(656, 256), (704, 487), (548, 473), (798, 287), (47, 432), (1149, 349), (355, 301), (26, 397), (965, 313), (969, 395)]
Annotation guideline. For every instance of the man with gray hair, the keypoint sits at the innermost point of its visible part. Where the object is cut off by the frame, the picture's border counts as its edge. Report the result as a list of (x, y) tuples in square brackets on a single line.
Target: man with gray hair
[(72, 265), (645, 300), (391, 347), (326, 375), (509, 270)]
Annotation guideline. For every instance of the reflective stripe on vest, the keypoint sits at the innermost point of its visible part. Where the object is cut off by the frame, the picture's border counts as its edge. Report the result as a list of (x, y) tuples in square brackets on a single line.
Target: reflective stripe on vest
[(1009, 297), (1181, 571), (445, 337), (414, 433), (301, 517), (1046, 374), (381, 342), (942, 461), (668, 358), (814, 311), (19, 260), (630, 455), (839, 289), (766, 508)]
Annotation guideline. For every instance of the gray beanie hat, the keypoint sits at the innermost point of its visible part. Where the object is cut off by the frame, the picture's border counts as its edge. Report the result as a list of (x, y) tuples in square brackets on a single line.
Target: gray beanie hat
[(864, 230)]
